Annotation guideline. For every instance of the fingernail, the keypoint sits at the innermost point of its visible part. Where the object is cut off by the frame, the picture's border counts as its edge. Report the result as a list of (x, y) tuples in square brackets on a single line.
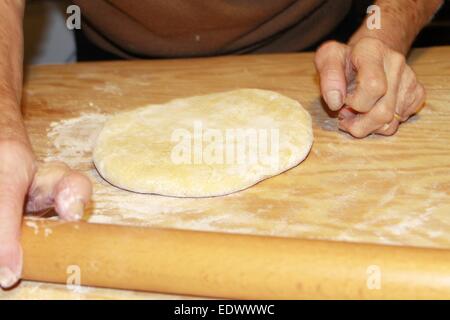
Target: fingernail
[(345, 113), (75, 210), (68, 206), (7, 278), (334, 99)]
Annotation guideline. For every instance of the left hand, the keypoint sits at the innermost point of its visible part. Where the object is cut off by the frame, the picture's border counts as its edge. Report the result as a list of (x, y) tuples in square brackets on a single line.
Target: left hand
[(370, 84)]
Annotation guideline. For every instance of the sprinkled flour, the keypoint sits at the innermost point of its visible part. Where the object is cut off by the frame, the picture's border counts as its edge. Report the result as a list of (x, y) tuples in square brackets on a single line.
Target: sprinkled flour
[(349, 214)]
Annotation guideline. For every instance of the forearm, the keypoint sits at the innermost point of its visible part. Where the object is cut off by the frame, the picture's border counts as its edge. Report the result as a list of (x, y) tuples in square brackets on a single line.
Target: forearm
[(11, 60), (401, 21)]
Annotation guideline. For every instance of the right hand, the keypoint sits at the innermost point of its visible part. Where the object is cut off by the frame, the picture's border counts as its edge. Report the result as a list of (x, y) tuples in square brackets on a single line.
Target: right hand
[(26, 183), (371, 85)]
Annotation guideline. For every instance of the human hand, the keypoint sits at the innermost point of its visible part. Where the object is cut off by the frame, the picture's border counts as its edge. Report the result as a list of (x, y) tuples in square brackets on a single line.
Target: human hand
[(370, 84), (26, 183)]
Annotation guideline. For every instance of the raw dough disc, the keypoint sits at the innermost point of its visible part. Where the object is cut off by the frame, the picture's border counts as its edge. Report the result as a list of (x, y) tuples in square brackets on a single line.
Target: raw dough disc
[(136, 150)]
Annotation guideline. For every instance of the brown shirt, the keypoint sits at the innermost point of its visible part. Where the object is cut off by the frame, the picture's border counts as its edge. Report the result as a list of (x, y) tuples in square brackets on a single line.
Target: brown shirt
[(174, 28)]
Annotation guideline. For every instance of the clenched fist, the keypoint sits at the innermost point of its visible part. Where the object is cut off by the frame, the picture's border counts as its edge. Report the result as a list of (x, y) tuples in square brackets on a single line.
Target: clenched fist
[(370, 84)]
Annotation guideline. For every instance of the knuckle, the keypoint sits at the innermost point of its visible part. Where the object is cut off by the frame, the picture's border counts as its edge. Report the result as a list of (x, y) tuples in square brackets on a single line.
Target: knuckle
[(409, 74), (376, 86), (398, 58), (412, 85), (390, 131), (330, 46), (358, 132), (324, 50), (420, 90), (385, 113)]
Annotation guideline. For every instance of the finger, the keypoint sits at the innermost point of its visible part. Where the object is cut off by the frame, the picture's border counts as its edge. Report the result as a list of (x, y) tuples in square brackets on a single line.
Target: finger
[(13, 188), (359, 126), (73, 192), (418, 101), (55, 184), (371, 82), (42, 191), (363, 124), (389, 128), (330, 62), (347, 113), (11, 209), (384, 110), (406, 93)]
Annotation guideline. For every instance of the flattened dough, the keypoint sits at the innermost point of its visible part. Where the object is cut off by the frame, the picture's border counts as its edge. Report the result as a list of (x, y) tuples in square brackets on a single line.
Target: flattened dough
[(135, 150)]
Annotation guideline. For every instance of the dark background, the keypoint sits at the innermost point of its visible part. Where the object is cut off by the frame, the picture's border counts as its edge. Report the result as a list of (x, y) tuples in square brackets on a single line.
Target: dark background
[(436, 33)]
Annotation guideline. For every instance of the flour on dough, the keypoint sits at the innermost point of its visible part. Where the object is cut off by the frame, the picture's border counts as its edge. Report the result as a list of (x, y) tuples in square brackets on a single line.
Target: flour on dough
[(204, 146)]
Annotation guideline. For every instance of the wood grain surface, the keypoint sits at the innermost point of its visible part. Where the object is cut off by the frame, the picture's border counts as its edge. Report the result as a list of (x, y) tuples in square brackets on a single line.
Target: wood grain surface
[(389, 190)]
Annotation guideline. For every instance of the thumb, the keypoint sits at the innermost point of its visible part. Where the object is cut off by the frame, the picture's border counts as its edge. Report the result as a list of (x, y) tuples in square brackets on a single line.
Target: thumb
[(16, 170), (11, 208), (330, 61)]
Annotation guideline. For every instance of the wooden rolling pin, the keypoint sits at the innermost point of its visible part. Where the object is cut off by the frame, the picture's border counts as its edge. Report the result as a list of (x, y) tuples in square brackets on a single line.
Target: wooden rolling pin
[(228, 265)]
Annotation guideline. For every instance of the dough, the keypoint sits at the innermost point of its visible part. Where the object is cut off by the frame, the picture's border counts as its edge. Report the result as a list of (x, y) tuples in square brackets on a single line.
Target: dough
[(204, 146)]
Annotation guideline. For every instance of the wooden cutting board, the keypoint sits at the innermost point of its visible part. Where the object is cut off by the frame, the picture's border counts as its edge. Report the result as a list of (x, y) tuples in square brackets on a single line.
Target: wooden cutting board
[(389, 190)]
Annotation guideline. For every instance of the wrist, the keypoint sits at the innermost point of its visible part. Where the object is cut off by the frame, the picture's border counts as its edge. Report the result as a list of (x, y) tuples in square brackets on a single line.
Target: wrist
[(399, 22), (394, 42)]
